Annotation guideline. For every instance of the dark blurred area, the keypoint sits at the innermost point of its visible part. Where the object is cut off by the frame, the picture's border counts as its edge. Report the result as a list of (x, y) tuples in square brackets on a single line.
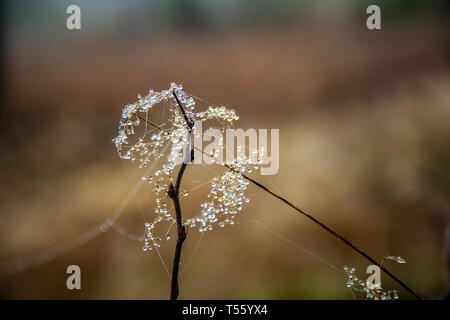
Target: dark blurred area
[(364, 142)]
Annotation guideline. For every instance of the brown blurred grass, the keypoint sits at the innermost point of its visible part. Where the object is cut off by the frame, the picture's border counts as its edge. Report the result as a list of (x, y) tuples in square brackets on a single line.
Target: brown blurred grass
[(363, 135)]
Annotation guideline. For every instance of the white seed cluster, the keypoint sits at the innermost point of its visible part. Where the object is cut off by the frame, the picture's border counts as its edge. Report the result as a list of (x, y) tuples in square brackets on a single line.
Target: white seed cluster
[(395, 258), (220, 113), (354, 283), (226, 199), (227, 195)]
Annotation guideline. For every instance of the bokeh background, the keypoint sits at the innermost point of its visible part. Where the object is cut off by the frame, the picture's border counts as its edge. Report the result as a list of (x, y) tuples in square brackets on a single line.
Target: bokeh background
[(364, 144)]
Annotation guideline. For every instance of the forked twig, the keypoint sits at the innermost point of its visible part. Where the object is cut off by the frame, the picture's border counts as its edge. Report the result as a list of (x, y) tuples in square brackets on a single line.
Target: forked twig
[(174, 194)]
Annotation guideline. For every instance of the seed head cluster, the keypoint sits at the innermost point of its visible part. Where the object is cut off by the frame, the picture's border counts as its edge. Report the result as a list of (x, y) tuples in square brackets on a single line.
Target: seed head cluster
[(226, 197), (369, 292)]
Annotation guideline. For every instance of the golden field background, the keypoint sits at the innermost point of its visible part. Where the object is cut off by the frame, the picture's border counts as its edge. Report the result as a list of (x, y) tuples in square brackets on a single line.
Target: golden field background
[(364, 131)]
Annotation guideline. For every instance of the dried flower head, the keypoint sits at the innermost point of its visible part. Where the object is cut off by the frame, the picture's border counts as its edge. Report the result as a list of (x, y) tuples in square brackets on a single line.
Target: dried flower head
[(371, 292), (227, 195), (377, 293)]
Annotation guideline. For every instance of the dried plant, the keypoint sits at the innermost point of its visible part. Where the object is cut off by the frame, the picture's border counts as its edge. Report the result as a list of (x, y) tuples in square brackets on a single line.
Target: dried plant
[(227, 194), (371, 292)]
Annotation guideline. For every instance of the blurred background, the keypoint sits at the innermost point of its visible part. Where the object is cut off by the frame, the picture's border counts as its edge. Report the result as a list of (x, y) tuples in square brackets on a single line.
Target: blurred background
[(364, 144)]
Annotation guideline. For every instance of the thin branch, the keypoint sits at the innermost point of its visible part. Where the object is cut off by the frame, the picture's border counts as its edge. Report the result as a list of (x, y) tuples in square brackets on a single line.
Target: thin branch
[(324, 226), (174, 194), (189, 123), (334, 233), (181, 232)]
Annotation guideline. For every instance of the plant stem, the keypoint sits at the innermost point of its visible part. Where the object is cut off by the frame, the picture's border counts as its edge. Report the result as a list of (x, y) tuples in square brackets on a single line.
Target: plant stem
[(189, 122), (181, 232), (174, 194)]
